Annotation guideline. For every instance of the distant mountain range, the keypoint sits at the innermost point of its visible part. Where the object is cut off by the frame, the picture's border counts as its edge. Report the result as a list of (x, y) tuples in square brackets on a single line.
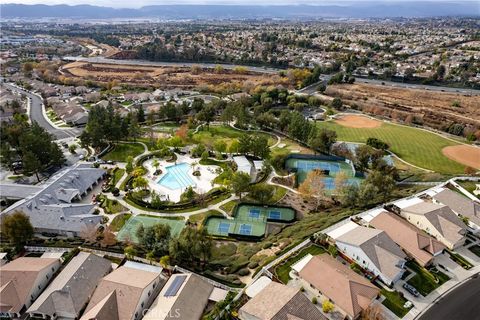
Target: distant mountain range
[(360, 9)]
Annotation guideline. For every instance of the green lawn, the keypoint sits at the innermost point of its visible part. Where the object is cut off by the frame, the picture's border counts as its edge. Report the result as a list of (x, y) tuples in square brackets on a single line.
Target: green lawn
[(283, 270), (111, 206), (227, 134), (425, 281), (119, 221), (470, 186), (122, 151), (394, 301), (461, 261), (117, 175), (416, 146)]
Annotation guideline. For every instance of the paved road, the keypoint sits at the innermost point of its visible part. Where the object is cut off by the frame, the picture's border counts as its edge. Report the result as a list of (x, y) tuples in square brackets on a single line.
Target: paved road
[(168, 64), (36, 115), (461, 304)]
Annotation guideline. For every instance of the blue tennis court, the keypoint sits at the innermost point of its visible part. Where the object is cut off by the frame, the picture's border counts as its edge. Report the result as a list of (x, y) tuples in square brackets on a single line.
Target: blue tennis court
[(274, 215), (223, 227), (245, 229), (254, 213)]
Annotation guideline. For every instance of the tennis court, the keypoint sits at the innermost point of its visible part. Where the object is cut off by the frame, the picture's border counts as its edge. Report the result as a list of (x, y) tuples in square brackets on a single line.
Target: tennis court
[(304, 166), (224, 227), (129, 230), (254, 213)]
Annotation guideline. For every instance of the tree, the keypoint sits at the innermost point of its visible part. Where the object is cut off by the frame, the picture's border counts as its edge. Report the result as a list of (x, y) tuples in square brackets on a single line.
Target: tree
[(366, 194), (155, 238), (258, 146), (141, 115), (341, 181), (134, 129), (240, 183), (31, 164), (108, 237), (313, 186), (72, 148), (349, 195), (362, 157), (337, 103), (16, 227), (182, 132), (220, 146), (234, 146), (130, 251), (165, 262), (327, 306), (321, 88), (129, 165), (262, 192), (89, 233), (383, 181), (322, 140), (193, 247), (207, 114), (140, 182)]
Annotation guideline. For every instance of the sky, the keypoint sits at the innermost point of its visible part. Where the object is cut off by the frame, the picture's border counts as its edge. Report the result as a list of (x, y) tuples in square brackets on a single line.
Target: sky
[(140, 3)]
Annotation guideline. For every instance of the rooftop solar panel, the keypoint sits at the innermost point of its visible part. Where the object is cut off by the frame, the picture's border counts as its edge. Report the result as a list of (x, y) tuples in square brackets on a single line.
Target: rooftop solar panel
[(175, 286)]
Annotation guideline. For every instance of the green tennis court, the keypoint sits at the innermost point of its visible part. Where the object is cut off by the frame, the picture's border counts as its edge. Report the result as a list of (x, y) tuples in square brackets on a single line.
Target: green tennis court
[(128, 232), (255, 213), (231, 227)]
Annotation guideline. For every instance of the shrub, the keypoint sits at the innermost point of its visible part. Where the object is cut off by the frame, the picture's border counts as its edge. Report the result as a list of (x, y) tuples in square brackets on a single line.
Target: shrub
[(253, 264), (377, 144), (327, 306), (314, 300), (243, 272), (267, 245)]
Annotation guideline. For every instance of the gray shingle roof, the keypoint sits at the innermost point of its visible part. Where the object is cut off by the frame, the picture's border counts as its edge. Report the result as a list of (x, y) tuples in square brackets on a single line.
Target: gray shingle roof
[(460, 204), (50, 208)]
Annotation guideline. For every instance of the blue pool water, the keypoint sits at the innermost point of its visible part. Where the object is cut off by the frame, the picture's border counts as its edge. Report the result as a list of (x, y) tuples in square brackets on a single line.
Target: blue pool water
[(177, 177)]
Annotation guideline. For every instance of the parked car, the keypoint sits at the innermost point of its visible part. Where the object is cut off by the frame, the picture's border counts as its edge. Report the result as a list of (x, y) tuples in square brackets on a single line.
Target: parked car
[(411, 289)]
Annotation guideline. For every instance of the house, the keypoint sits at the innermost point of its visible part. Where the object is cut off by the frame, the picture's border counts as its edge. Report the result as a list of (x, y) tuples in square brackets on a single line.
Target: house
[(22, 281), (243, 165), (279, 302), (53, 208), (69, 292), (413, 241), (461, 206), (375, 251), (125, 293), (349, 291), (437, 220), (184, 297)]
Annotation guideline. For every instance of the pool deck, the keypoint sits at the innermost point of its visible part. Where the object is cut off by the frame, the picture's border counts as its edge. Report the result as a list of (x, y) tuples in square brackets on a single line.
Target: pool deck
[(203, 183)]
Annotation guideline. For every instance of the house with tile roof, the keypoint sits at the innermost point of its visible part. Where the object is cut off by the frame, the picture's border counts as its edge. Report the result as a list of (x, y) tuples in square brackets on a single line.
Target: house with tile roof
[(22, 281), (55, 209), (279, 302), (415, 242), (69, 292), (125, 293), (438, 221), (184, 297), (461, 206), (375, 251), (350, 292)]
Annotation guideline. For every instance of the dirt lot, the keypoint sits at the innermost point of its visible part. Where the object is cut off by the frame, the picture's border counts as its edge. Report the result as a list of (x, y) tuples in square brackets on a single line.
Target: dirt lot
[(467, 155), (171, 76), (358, 122), (434, 109)]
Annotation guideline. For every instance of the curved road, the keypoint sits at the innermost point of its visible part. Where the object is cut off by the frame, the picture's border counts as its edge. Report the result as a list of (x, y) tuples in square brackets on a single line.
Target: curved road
[(463, 303), (36, 114)]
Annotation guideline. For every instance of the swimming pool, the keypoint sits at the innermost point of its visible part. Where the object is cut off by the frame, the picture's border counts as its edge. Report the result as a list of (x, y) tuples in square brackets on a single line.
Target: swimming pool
[(176, 177)]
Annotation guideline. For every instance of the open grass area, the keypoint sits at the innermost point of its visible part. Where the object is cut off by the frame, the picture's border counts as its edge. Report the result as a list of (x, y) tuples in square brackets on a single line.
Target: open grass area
[(122, 151), (470, 186), (394, 301), (416, 146), (229, 206), (209, 136), (111, 206), (283, 270), (425, 281), (117, 175), (119, 221)]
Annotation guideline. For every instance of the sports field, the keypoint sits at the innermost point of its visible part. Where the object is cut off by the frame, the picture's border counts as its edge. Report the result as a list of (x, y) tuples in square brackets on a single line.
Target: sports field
[(416, 146), (128, 232), (249, 220)]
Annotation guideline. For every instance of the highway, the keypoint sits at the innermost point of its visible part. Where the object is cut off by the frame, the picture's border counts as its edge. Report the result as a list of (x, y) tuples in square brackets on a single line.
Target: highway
[(463, 303), (309, 90), (37, 115)]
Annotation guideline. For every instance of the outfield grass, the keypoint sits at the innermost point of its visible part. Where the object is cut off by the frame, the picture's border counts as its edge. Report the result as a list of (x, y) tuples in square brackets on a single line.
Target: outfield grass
[(122, 151), (283, 270), (419, 147)]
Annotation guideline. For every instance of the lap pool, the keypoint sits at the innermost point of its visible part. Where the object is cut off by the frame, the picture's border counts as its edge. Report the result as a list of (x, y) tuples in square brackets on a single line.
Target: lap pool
[(176, 177)]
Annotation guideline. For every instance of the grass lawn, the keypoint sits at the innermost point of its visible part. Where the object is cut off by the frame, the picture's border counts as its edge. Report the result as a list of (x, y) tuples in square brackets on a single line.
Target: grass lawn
[(394, 301), (122, 151), (419, 147), (475, 249), (112, 206), (470, 186), (283, 270), (119, 221), (227, 134), (279, 194), (461, 261), (117, 175), (199, 218), (425, 281), (228, 207)]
